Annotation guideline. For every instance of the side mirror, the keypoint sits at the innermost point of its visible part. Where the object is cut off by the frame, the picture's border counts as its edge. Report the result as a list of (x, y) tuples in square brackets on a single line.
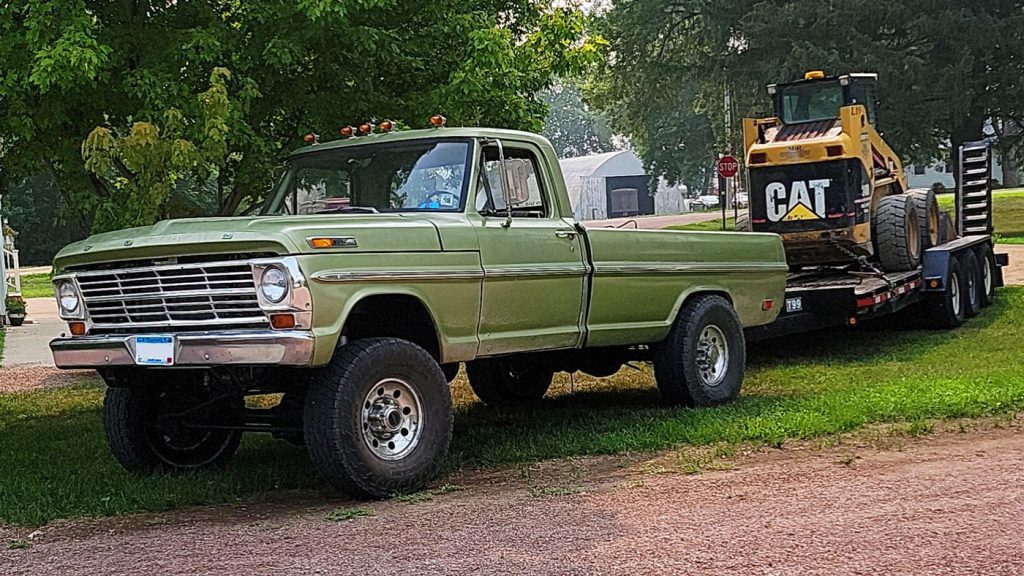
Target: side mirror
[(518, 190)]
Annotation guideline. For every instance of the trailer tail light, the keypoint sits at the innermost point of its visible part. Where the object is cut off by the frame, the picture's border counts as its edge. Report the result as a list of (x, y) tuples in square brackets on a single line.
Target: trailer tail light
[(834, 150), (758, 158), (852, 321), (77, 328), (767, 305)]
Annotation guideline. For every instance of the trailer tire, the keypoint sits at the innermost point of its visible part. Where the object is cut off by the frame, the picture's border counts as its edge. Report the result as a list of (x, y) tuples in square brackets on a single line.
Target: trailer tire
[(145, 438), (505, 381), (927, 209), (702, 360), (987, 261), (378, 418), (972, 278), (897, 234), (946, 309)]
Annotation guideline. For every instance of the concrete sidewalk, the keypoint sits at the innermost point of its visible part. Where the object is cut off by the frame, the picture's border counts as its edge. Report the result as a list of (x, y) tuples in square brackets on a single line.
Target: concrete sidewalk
[(28, 344)]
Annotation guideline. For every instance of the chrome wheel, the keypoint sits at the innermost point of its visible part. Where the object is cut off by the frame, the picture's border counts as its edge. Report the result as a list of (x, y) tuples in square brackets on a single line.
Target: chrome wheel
[(712, 355), (391, 419), (954, 292), (987, 275)]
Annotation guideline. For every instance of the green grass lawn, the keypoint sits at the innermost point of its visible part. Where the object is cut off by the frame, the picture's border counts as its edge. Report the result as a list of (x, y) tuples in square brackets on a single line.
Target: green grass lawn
[(56, 463), (709, 226), (36, 286), (1008, 214)]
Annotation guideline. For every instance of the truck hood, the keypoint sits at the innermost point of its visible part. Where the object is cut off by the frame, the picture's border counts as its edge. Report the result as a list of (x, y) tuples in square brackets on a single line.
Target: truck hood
[(277, 235)]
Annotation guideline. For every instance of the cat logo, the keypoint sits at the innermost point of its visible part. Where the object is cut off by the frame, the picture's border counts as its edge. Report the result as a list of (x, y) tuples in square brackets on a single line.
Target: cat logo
[(796, 203)]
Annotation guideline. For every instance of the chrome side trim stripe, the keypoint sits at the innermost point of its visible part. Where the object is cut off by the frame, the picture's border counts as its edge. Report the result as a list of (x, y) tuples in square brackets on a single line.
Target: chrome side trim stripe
[(397, 275), (697, 268)]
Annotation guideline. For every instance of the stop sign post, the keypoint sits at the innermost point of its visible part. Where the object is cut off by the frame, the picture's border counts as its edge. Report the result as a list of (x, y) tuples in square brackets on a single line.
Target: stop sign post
[(728, 166)]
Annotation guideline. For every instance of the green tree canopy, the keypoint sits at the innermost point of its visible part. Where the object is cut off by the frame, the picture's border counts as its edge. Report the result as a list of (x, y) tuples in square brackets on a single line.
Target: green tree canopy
[(573, 128), (123, 102), (944, 68)]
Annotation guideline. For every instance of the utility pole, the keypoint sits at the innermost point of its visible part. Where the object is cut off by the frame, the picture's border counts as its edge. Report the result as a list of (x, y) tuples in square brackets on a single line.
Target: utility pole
[(3, 265)]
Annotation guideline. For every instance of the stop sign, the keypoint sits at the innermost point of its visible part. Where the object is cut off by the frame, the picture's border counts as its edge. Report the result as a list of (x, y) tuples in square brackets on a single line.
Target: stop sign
[(728, 166)]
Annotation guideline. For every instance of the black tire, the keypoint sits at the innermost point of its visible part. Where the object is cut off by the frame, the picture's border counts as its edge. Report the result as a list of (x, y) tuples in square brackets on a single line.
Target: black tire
[(742, 223), (677, 359), (349, 393), (972, 279), (928, 217), (897, 234), (144, 438), (946, 309), (450, 371), (987, 261), (508, 381)]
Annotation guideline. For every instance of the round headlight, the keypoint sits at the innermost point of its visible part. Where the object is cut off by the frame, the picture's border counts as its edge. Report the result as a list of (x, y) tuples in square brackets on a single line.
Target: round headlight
[(68, 297), (274, 285)]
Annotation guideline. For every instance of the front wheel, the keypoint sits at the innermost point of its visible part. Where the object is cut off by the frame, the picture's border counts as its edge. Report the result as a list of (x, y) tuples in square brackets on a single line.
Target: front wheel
[(701, 362), (158, 425), (378, 418)]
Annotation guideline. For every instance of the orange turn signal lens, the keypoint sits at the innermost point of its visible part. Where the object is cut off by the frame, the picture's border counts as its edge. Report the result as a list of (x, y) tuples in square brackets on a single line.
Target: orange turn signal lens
[(77, 328), (437, 120), (321, 242), (386, 126), (347, 132), (282, 321)]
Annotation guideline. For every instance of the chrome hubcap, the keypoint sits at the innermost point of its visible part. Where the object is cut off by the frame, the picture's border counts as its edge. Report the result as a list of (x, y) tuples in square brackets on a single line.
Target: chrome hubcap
[(391, 419), (954, 292), (987, 275), (712, 355)]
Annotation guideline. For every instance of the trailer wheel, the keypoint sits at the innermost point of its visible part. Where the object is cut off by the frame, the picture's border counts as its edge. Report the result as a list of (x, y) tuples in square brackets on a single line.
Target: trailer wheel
[(507, 381), (927, 209), (702, 360), (946, 309), (972, 279), (378, 418), (987, 262), (897, 234)]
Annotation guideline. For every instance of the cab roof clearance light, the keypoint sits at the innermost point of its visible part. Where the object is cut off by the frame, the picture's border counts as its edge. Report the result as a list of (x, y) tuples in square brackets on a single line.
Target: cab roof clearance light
[(438, 121)]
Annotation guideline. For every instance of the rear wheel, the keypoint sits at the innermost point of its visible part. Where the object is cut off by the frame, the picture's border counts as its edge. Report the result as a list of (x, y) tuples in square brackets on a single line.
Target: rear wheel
[(987, 262), (378, 418), (897, 234), (508, 381), (972, 280), (927, 209), (702, 360), (158, 426), (946, 308)]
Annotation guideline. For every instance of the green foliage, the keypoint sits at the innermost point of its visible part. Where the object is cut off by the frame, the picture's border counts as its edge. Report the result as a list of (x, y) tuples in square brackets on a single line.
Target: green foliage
[(57, 464), (944, 68), (571, 126), (132, 108), (15, 305)]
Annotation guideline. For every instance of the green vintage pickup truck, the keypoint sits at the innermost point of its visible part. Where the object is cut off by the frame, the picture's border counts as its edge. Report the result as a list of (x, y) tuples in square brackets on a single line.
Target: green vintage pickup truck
[(379, 265)]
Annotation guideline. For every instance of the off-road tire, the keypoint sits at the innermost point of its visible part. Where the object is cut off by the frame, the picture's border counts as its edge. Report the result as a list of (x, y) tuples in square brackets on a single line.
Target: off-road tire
[(676, 369), (508, 381), (334, 418), (945, 310), (742, 223), (928, 217), (973, 280), (130, 421), (987, 261), (897, 234)]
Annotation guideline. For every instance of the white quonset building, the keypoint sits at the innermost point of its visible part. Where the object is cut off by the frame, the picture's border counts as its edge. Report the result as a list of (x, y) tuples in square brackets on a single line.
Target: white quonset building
[(614, 185)]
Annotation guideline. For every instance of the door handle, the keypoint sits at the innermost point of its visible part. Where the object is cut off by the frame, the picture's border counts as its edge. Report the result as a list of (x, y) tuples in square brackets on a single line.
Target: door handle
[(566, 233)]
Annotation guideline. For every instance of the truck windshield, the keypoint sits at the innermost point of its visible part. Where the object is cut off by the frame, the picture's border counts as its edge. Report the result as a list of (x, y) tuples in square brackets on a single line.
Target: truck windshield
[(401, 177), (810, 101)]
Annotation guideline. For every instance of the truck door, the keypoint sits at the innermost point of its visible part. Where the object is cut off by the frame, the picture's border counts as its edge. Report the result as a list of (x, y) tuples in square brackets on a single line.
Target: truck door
[(533, 260)]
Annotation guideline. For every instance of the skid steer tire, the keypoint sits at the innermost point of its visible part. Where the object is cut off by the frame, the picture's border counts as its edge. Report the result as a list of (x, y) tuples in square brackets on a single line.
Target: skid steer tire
[(897, 234), (927, 209)]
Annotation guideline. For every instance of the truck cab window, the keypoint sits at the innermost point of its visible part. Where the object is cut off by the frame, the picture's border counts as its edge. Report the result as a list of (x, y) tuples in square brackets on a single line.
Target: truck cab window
[(491, 200)]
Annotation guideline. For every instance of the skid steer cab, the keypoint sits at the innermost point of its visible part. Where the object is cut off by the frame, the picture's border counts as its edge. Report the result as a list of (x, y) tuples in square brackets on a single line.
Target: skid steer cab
[(822, 177)]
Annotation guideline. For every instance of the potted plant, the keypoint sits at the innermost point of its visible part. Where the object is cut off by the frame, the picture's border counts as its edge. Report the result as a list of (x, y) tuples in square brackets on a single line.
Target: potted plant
[(15, 310)]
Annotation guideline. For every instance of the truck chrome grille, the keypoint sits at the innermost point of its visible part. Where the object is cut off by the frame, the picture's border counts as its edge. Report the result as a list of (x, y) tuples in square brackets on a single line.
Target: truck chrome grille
[(174, 297)]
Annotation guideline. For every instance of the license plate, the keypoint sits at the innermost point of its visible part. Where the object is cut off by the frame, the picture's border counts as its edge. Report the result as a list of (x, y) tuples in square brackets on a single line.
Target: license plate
[(154, 350), (794, 304)]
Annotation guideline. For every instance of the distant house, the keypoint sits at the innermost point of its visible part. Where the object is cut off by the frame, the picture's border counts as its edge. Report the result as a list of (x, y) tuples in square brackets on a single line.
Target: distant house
[(614, 185), (942, 173)]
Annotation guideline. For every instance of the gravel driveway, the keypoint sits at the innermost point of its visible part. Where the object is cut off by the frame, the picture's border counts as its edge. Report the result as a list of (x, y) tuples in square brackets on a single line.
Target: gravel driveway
[(948, 504)]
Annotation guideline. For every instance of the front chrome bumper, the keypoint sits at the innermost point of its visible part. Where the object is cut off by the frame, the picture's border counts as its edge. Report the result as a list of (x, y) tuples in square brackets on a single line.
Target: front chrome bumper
[(287, 348)]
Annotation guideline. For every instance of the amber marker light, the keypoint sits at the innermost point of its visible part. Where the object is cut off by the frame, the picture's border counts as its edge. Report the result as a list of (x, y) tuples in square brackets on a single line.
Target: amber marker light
[(347, 132), (77, 328), (309, 138), (365, 128), (437, 121), (282, 321), (386, 126)]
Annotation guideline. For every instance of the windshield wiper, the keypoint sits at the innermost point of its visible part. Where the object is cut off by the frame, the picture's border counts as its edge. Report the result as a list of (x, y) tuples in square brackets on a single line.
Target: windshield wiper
[(349, 210)]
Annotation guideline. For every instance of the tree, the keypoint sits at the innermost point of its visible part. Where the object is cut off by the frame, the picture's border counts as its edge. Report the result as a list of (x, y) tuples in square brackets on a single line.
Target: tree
[(945, 66), (124, 102), (573, 128)]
